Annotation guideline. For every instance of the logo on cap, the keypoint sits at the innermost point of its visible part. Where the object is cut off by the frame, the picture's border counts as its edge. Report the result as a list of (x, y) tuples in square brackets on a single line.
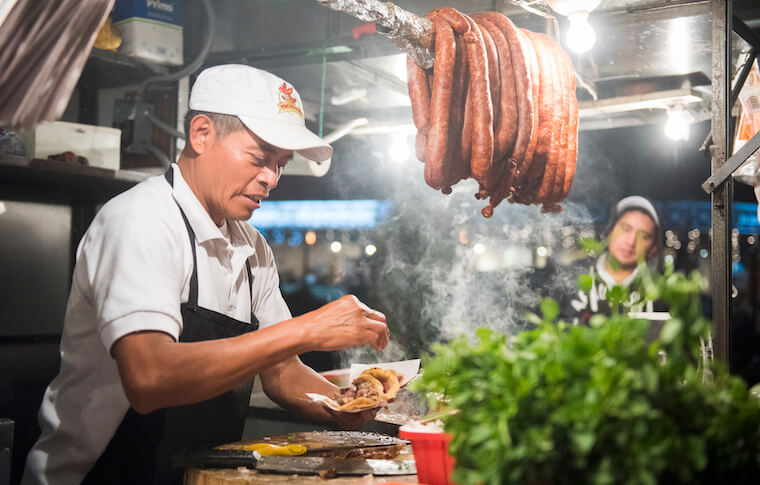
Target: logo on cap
[(287, 102)]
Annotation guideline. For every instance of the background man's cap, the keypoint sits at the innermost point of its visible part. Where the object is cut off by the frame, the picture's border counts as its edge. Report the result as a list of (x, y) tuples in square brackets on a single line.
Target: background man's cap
[(639, 203), (267, 105)]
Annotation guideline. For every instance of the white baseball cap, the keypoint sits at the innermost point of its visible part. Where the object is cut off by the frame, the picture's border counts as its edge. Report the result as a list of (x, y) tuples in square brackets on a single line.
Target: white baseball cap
[(267, 105)]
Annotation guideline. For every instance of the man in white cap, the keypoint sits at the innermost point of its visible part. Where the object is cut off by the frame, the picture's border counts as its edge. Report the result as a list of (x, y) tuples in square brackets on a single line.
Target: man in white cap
[(175, 303), (633, 236)]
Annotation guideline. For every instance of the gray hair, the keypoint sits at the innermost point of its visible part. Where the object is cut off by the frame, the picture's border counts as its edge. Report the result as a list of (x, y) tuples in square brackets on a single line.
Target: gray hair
[(223, 124)]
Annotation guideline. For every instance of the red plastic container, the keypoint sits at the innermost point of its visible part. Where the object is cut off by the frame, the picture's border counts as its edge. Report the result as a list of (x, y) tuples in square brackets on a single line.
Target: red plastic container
[(431, 454)]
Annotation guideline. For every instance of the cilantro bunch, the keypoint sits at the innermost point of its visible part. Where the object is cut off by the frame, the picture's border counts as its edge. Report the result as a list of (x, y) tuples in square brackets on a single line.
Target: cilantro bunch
[(564, 404)]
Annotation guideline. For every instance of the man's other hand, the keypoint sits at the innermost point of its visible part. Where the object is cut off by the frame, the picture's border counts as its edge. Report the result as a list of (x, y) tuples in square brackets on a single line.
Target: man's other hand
[(346, 322)]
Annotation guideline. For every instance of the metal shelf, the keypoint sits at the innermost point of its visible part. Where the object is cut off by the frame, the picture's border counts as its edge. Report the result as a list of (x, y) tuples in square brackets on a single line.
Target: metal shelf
[(99, 183)]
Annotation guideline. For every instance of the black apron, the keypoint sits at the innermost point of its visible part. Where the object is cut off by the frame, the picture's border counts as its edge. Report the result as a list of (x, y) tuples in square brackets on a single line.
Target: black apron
[(141, 449)]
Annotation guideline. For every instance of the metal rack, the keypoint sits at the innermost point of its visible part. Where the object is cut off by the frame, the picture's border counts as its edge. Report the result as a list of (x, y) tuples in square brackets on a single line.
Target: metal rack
[(407, 30), (720, 184)]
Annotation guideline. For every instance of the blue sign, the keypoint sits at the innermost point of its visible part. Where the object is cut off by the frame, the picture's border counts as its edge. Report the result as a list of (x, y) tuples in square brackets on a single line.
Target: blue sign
[(320, 214)]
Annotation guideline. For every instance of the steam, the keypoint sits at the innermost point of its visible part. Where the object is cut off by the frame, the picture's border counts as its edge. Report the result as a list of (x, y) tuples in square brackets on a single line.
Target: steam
[(427, 276)]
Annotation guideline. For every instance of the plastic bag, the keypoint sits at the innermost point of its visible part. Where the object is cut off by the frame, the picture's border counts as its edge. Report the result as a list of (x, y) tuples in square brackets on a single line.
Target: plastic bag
[(749, 124)]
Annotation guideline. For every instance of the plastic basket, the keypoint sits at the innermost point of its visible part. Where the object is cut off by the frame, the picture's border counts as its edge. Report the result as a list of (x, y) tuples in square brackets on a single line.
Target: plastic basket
[(431, 454)]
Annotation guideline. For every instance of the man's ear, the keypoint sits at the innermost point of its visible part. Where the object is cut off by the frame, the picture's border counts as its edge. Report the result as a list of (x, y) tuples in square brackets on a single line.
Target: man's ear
[(201, 133)]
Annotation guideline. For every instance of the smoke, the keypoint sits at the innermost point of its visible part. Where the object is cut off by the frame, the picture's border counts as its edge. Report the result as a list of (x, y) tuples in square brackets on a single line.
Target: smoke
[(442, 270)]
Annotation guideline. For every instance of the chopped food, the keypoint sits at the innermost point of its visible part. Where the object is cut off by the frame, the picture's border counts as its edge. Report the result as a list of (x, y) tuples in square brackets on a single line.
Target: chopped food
[(372, 388)]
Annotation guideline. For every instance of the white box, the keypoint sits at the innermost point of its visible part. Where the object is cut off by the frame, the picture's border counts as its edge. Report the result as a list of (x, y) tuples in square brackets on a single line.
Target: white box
[(150, 29), (99, 144)]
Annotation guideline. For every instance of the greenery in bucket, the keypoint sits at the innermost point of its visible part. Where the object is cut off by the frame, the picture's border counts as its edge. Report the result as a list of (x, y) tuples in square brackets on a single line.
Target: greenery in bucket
[(564, 404)]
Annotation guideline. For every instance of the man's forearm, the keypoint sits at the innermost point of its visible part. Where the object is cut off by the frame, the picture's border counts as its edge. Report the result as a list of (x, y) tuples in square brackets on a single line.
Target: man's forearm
[(158, 372)]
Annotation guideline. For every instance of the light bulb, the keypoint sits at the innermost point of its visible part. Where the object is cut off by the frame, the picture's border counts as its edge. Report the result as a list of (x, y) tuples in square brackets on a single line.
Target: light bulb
[(336, 246), (370, 249), (677, 125), (580, 34), (479, 249)]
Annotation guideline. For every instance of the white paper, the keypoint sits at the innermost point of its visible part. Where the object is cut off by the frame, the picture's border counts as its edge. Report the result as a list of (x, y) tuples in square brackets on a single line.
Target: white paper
[(407, 368)]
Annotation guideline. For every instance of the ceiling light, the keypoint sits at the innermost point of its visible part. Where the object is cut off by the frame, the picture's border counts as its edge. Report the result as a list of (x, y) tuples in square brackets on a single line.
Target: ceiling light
[(677, 125), (580, 35), (336, 246)]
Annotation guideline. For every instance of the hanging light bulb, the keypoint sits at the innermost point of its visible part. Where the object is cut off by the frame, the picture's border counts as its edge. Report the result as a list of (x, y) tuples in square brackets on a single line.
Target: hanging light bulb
[(677, 125), (580, 35)]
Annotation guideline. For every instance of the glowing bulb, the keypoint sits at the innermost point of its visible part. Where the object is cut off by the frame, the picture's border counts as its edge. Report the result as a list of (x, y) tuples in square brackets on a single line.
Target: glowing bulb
[(542, 251), (310, 238), (370, 249), (479, 249), (336, 246), (580, 34), (399, 150), (677, 126)]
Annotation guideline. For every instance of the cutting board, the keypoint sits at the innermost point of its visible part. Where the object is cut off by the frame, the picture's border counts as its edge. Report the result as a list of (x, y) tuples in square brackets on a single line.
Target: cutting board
[(324, 441), (197, 476)]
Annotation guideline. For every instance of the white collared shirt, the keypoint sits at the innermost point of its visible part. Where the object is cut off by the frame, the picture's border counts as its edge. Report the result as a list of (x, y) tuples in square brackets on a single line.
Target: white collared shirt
[(132, 273)]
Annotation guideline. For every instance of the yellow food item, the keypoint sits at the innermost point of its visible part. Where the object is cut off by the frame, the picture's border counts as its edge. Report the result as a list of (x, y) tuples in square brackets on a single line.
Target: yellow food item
[(267, 449), (108, 37)]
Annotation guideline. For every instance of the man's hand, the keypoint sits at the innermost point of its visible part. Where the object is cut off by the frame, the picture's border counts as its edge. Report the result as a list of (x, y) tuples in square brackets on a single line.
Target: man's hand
[(350, 421), (343, 323)]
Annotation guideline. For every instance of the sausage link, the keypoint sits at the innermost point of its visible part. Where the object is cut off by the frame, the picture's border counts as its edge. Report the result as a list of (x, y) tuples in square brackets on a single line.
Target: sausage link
[(457, 169), (481, 156), (550, 180), (562, 169), (540, 176), (522, 169), (548, 118), (419, 94), (523, 86), (454, 17), (505, 127), (466, 145), (494, 80), (419, 146), (524, 104), (436, 147)]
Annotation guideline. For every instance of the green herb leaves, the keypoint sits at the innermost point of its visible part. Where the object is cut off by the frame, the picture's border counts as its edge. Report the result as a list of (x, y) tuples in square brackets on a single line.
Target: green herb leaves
[(596, 405)]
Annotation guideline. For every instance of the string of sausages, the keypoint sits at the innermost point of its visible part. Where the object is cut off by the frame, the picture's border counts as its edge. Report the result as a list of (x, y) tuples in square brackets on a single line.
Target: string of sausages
[(499, 106)]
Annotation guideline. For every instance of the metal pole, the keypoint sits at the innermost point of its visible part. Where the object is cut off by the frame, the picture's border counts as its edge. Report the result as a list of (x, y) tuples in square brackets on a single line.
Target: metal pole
[(411, 33), (722, 196)]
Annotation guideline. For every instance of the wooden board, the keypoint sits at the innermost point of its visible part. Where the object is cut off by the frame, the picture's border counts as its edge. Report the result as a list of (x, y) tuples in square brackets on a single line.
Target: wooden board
[(243, 476)]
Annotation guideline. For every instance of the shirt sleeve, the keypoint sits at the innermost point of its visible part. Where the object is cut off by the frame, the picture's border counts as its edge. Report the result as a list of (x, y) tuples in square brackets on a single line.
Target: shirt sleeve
[(133, 264)]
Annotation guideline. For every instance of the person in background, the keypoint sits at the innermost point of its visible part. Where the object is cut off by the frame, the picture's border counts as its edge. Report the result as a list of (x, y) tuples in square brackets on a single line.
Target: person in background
[(175, 303), (632, 236)]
